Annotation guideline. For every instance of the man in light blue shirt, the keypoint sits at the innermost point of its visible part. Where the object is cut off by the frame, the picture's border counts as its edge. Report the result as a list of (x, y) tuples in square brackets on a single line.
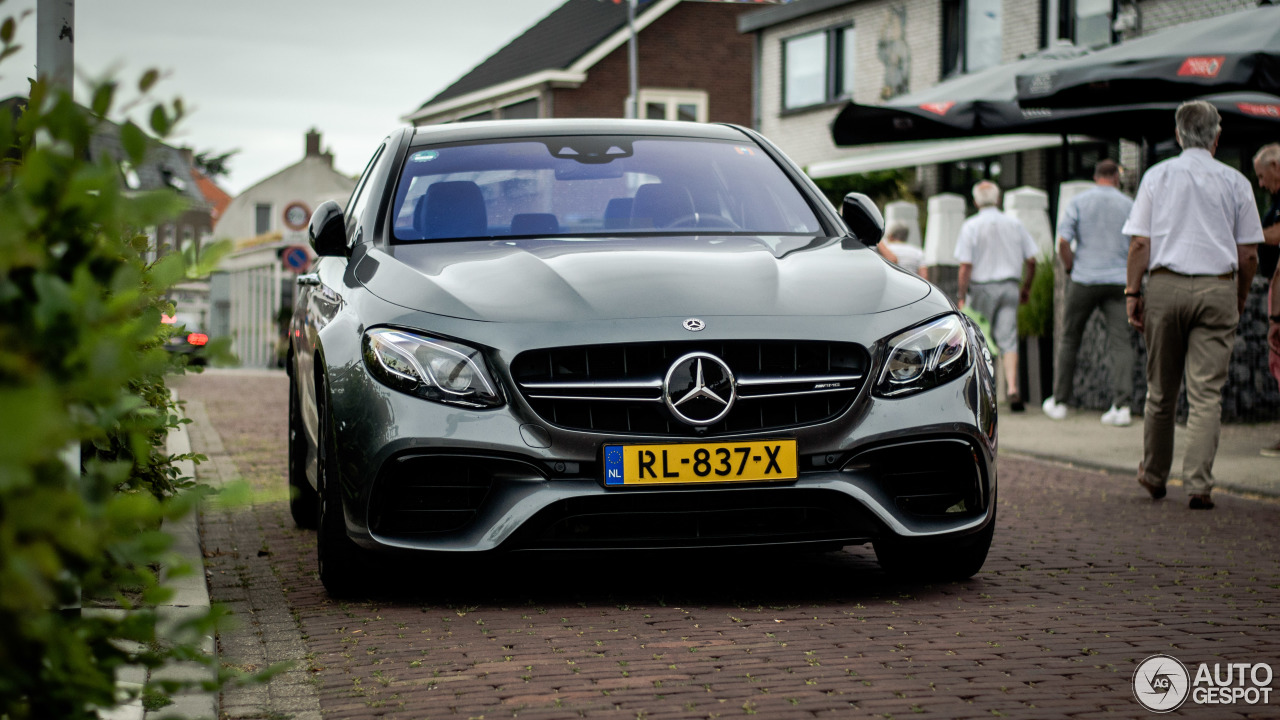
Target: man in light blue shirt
[(1093, 221)]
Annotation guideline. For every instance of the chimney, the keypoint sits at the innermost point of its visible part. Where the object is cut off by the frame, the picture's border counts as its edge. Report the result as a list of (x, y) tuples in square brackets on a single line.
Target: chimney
[(313, 142)]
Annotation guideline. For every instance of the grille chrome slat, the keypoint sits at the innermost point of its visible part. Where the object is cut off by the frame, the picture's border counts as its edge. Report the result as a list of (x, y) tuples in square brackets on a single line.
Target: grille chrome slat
[(778, 382)]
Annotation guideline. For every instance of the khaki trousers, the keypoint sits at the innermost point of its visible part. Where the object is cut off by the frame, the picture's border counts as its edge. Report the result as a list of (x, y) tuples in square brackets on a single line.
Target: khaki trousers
[(1190, 327)]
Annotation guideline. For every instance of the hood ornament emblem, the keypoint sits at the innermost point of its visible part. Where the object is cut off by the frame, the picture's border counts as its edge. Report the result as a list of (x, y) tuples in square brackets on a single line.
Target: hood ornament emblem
[(694, 325), (699, 389)]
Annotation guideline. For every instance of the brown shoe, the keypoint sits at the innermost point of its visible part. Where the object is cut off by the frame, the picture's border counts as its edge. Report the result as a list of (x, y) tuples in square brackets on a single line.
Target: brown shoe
[(1016, 404), (1157, 491), (1200, 502)]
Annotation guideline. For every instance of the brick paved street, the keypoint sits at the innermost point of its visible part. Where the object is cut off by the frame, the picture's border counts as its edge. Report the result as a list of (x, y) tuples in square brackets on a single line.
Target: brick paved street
[(1087, 577)]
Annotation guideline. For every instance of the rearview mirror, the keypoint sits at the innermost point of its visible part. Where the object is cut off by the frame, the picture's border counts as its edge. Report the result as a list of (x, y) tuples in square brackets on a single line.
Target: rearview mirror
[(328, 230), (863, 218)]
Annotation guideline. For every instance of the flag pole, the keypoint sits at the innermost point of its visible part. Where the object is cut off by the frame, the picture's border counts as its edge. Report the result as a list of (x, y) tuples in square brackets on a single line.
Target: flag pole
[(632, 98)]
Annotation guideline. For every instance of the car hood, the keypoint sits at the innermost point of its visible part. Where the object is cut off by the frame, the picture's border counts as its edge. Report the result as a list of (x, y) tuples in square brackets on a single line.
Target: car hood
[(583, 279)]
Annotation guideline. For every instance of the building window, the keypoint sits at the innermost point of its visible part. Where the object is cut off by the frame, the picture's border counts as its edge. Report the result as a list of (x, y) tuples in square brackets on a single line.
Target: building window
[(971, 38), (525, 110), (261, 218), (1087, 23), (687, 105), (817, 68), (486, 115)]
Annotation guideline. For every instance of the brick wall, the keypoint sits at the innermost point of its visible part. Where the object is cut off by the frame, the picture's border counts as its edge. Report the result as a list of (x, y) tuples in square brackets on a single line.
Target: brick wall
[(806, 135), (1160, 14), (694, 46)]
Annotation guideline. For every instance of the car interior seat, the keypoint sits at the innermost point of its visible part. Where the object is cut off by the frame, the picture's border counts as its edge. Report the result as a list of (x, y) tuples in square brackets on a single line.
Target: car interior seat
[(657, 205), (617, 214), (534, 224), (451, 209)]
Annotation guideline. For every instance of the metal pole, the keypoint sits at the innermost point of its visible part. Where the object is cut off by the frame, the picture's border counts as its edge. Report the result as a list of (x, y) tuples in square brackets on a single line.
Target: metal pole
[(55, 42), (633, 96)]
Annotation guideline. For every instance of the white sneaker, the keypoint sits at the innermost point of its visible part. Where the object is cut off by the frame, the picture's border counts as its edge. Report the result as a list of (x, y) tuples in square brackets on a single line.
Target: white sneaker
[(1117, 417), (1053, 409)]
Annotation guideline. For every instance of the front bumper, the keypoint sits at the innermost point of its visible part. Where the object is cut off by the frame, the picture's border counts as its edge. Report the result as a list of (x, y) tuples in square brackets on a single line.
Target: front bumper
[(422, 476)]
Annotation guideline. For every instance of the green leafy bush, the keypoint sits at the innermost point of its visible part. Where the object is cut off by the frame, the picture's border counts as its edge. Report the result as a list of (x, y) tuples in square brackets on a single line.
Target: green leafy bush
[(1035, 316), (82, 369)]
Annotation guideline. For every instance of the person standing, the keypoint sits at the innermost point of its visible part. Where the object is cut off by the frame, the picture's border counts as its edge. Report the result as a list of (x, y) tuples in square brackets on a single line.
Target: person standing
[(997, 263), (899, 252), (1266, 165), (1093, 221), (1196, 231)]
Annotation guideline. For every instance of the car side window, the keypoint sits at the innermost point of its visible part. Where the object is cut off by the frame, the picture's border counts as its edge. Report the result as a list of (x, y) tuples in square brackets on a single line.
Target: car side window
[(359, 198)]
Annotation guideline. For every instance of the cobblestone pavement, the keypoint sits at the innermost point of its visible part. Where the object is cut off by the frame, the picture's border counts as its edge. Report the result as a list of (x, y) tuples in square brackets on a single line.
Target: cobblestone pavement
[(1087, 577)]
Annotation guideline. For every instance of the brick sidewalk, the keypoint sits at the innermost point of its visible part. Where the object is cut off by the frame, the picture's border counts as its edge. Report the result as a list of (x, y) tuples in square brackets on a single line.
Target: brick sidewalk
[(1087, 578)]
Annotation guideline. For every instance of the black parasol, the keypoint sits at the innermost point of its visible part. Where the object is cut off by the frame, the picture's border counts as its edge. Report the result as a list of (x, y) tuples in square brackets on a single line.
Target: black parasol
[(1239, 52), (981, 103)]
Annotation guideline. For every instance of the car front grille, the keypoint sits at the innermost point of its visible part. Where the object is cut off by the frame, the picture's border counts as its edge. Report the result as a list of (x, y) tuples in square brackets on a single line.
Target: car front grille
[(618, 388)]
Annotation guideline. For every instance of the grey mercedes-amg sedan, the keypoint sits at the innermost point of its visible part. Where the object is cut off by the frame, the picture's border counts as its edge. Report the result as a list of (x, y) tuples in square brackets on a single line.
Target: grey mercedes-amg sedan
[(605, 334)]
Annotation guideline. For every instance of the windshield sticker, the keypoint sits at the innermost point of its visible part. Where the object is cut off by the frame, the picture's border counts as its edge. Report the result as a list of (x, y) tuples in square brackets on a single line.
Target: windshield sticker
[(744, 151), (425, 156)]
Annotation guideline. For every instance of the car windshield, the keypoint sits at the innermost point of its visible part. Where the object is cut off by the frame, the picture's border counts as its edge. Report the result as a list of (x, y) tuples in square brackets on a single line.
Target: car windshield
[(596, 185)]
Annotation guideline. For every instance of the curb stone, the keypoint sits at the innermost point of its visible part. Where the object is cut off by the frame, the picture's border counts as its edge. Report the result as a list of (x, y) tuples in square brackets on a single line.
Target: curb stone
[(241, 578)]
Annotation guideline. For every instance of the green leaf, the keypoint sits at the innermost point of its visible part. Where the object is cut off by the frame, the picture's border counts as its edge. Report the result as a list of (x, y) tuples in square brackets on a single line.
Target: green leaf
[(148, 80), (160, 123), (134, 142), (102, 98)]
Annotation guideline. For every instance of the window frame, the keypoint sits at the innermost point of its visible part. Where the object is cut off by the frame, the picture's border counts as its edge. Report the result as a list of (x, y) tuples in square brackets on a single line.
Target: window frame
[(258, 214), (955, 15), (833, 65), (672, 98)]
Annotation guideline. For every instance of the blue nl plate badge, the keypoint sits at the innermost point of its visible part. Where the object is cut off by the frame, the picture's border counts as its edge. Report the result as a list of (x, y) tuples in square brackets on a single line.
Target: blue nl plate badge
[(613, 465)]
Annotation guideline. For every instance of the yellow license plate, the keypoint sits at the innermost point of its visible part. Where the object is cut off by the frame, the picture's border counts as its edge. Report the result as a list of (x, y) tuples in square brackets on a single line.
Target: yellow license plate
[(756, 461)]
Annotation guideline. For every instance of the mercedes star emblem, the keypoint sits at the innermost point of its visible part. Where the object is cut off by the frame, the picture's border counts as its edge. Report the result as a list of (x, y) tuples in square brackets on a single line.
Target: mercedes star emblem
[(694, 324), (699, 389)]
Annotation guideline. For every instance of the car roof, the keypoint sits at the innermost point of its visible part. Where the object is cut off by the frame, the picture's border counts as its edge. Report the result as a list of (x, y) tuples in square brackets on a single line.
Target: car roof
[(497, 129)]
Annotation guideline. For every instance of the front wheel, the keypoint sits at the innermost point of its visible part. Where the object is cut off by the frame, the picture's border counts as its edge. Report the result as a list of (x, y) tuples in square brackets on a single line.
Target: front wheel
[(338, 557), (936, 560)]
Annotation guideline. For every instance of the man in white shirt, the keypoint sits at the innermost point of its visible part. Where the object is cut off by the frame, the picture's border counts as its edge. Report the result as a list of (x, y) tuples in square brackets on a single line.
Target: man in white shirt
[(993, 250), (896, 250), (1097, 265), (1196, 229)]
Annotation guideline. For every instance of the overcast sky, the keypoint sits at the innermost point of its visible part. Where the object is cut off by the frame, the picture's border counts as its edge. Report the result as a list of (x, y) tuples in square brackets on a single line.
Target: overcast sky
[(256, 74)]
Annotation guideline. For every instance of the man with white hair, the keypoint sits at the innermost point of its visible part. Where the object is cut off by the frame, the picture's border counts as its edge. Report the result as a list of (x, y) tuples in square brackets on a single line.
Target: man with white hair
[(1266, 165), (994, 249), (1196, 232), (896, 250)]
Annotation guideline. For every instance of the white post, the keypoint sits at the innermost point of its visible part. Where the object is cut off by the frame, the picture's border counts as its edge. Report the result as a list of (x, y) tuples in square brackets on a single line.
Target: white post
[(55, 42), (633, 94)]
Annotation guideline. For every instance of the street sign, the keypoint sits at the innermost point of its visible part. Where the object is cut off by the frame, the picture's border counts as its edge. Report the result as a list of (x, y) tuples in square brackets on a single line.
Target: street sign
[(295, 258)]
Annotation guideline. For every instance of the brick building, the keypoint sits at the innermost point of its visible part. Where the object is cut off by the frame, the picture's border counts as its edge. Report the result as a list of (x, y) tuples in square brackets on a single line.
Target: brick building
[(693, 65)]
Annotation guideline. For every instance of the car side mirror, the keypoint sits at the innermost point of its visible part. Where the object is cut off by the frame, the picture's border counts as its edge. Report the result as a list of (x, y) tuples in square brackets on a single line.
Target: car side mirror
[(863, 218), (328, 230)]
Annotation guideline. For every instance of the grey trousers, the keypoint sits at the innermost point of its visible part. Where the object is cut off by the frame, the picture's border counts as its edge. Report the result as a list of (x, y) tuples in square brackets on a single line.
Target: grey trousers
[(1081, 301), (1190, 327)]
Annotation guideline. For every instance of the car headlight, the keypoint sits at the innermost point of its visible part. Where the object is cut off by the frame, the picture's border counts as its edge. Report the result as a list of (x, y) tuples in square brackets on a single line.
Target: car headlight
[(431, 368), (924, 356)]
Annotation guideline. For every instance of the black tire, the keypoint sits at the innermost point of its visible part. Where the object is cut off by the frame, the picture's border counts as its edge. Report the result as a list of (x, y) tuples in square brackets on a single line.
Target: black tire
[(303, 499), (339, 559), (936, 560)]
